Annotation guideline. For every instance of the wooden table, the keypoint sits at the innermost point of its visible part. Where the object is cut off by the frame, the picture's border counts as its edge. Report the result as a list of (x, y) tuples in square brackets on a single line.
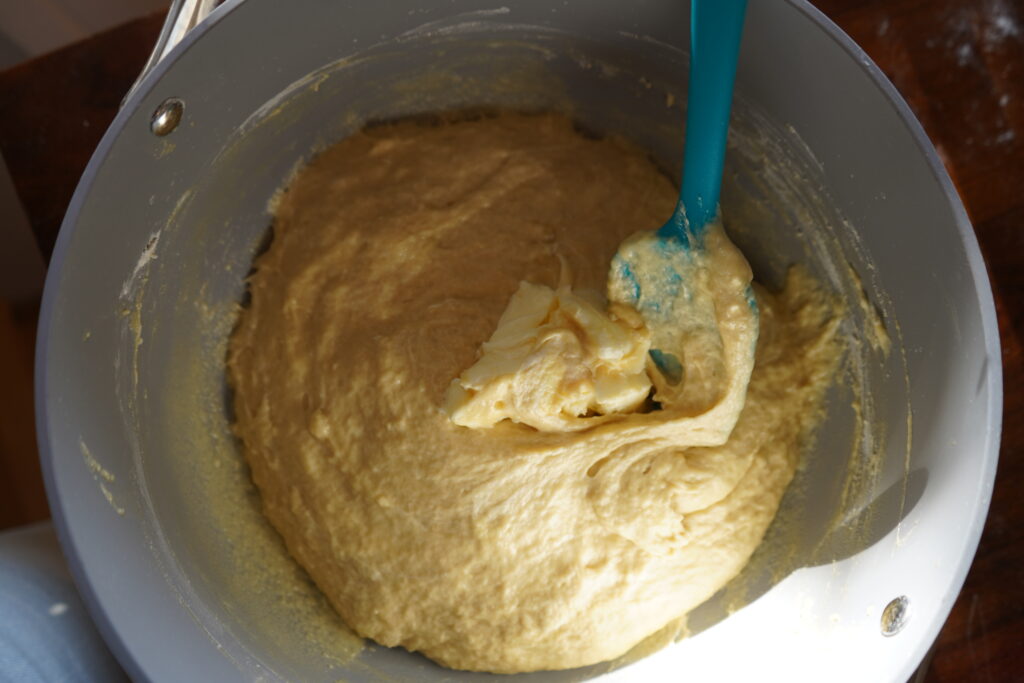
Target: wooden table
[(960, 65)]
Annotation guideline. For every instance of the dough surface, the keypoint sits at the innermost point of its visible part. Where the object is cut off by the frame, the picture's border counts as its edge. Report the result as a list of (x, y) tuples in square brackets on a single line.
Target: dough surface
[(507, 548)]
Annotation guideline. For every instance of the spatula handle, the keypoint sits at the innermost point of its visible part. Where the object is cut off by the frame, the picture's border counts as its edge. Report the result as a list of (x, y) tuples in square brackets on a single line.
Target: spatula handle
[(716, 27)]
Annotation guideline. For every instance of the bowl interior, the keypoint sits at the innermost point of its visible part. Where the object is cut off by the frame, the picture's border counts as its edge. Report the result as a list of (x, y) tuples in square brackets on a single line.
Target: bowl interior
[(823, 169)]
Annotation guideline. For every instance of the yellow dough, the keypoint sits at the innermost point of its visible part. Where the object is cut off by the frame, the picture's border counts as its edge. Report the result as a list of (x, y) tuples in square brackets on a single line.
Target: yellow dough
[(566, 525)]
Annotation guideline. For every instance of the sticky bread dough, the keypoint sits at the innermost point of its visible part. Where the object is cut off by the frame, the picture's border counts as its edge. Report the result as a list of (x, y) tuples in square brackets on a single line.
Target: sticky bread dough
[(505, 549)]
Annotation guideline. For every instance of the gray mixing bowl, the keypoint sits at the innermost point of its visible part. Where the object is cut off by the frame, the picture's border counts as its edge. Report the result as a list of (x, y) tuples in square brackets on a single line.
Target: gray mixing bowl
[(826, 167)]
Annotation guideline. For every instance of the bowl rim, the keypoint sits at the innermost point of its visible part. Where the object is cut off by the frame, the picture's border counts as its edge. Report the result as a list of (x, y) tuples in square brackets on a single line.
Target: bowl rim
[(83, 571)]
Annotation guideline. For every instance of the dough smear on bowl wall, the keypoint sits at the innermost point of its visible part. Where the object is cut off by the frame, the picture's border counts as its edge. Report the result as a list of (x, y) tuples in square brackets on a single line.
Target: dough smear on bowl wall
[(428, 276)]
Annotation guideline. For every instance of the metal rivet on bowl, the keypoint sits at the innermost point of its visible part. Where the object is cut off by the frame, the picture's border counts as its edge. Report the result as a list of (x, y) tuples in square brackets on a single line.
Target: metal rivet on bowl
[(895, 615), (167, 116)]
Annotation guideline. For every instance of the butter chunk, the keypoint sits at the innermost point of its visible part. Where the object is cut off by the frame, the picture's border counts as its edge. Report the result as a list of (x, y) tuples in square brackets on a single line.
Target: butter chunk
[(554, 362)]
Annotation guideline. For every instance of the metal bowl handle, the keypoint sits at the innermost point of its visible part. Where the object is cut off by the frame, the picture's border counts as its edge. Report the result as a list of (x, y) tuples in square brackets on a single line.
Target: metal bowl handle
[(182, 17)]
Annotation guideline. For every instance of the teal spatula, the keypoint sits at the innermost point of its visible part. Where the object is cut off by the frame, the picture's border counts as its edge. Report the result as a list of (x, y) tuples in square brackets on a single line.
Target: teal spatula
[(715, 31), (666, 276)]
